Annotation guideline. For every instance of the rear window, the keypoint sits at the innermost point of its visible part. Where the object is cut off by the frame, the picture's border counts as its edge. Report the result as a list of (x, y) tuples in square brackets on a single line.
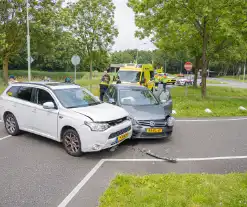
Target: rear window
[(25, 93), (13, 91)]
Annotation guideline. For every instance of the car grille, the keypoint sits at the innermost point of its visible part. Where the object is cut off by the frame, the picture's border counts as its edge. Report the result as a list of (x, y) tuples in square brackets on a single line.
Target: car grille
[(120, 132), (117, 121), (157, 123)]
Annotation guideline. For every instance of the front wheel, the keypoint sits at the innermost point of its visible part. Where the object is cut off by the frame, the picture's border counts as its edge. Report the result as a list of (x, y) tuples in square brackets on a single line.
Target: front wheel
[(11, 124), (72, 142)]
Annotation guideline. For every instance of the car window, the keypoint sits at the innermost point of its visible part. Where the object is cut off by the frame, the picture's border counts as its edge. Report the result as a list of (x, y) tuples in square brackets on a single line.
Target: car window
[(137, 97), (129, 76), (25, 93), (111, 92), (13, 91), (75, 98), (165, 95), (43, 97)]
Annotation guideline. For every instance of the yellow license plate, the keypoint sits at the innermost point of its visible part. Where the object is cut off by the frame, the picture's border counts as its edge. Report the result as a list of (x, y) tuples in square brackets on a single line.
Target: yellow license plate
[(154, 130), (122, 137)]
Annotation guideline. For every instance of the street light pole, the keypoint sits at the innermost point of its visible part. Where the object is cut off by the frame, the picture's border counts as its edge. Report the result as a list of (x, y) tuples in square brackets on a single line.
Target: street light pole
[(28, 45), (137, 53), (244, 71), (136, 56)]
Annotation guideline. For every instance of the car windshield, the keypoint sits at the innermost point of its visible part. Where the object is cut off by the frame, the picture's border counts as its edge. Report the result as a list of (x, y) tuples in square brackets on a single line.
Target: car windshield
[(75, 98), (129, 76), (137, 97)]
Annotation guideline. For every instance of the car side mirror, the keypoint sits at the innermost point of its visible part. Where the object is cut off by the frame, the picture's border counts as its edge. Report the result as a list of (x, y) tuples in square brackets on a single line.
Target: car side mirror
[(48, 105), (112, 101), (97, 98), (163, 101)]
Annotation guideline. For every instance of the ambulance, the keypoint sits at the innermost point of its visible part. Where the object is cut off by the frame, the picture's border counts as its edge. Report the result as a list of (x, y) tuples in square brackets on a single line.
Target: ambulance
[(141, 74)]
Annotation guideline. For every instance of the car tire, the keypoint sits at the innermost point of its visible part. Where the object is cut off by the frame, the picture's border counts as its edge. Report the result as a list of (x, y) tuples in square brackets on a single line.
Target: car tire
[(72, 143), (11, 124), (173, 83)]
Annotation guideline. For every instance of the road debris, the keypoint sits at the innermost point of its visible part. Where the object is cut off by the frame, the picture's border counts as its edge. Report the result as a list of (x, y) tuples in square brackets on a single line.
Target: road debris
[(168, 159), (242, 108), (208, 111)]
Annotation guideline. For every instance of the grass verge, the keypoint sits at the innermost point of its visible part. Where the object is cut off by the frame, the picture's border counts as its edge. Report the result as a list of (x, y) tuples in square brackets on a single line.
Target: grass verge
[(223, 101), (184, 190)]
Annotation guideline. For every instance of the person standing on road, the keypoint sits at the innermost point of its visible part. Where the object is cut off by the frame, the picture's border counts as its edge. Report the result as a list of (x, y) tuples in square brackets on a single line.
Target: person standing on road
[(164, 81), (104, 84), (156, 80)]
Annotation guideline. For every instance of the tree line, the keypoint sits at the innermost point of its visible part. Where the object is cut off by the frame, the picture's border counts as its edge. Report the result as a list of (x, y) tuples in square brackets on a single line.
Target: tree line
[(58, 30), (212, 32)]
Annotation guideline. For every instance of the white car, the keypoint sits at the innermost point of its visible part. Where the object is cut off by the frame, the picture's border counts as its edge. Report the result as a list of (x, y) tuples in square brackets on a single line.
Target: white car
[(65, 113), (184, 81)]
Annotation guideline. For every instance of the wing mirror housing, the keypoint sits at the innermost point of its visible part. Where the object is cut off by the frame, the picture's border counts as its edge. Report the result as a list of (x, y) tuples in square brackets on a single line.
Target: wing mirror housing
[(48, 105), (112, 101)]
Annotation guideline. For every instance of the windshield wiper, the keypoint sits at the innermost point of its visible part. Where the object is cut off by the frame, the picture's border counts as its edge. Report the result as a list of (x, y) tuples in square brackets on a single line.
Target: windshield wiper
[(96, 103)]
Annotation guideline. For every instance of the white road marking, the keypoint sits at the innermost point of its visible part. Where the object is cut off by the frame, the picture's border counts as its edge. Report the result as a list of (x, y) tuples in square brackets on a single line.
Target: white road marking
[(208, 120), (2, 138), (178, 159), (83, 182)]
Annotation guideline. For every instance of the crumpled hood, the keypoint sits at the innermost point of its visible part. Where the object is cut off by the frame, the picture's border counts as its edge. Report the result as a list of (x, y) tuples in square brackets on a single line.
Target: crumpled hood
[(152, 112), (102, 112)]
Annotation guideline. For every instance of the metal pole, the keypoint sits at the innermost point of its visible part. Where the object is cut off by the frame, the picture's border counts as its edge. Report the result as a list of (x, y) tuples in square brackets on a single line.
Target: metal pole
[(136, 56), (244, 70), (28, 45), (186, 89), (75, 74), (165, 66), (180, 66)]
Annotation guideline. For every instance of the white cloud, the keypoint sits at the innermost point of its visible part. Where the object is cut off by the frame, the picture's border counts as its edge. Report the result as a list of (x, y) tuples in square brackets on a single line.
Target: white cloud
[(125, 22)]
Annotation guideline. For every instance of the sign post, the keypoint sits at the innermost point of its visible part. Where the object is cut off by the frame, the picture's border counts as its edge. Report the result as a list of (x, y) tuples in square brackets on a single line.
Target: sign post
[(75, 61), (188, 68)]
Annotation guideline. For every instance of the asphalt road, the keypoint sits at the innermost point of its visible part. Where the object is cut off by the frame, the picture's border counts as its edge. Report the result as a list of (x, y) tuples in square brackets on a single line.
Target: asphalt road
[(35, 171)]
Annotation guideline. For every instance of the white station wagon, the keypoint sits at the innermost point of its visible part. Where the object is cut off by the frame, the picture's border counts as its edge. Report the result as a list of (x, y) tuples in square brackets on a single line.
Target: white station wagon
[(65, 113)]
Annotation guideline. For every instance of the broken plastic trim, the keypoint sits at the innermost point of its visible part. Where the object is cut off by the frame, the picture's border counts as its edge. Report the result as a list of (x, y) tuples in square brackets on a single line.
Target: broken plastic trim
[(168, 159)]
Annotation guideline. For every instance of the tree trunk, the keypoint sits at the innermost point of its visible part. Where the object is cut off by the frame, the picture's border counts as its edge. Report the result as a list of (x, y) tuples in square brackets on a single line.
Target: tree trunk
[(197, 66), (5, 68), (91, 68), (204, 59)]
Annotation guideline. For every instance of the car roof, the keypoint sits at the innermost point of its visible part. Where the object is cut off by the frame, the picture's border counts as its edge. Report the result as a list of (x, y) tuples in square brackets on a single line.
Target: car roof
[(128, 86), (50, 85)]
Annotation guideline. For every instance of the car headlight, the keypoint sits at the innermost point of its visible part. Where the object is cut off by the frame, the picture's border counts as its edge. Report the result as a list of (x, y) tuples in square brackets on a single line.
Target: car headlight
[(97, 126), (170, 121)]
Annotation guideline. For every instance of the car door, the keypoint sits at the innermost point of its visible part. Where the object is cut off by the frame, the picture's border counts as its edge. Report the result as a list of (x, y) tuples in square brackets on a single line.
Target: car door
[(23, 107), (109, 94), (46, 120)]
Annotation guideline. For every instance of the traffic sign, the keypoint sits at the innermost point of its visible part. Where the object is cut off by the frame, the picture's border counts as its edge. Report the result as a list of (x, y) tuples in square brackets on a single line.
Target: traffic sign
[(75, 60), (188, 66), (31, 59)]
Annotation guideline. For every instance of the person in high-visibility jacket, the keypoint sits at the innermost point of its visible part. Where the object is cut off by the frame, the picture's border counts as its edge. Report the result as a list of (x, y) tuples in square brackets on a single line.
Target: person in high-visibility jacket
[(156, 80), (164, 80), (104, 84)]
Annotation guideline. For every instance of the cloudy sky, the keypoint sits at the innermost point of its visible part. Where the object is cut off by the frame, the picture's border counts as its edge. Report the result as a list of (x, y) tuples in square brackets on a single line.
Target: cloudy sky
[(125, 22)]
